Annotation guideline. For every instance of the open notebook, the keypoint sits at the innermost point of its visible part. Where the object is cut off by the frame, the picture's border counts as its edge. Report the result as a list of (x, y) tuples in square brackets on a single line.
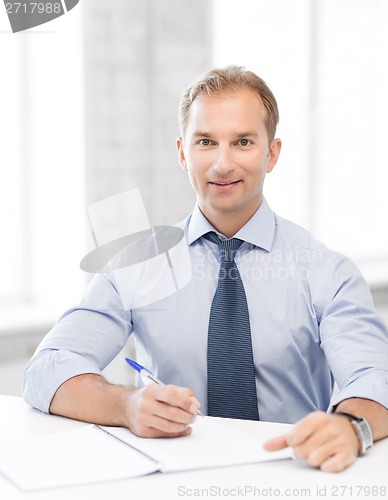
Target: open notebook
[(93, 453)]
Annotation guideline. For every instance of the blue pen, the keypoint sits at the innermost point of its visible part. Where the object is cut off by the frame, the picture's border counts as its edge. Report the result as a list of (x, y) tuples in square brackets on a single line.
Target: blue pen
[(144, 372)]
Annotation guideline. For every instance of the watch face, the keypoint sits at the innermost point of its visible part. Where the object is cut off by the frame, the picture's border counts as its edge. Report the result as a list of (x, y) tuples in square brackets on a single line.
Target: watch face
[(367, 432), (364, 434)]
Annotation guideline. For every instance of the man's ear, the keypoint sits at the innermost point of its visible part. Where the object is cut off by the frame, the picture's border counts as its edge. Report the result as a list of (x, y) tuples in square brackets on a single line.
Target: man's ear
[(181, 153), (273, 154)]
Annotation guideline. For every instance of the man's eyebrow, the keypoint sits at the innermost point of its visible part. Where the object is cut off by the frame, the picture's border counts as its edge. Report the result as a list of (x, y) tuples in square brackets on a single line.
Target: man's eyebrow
[(248, 133), (198, 133)]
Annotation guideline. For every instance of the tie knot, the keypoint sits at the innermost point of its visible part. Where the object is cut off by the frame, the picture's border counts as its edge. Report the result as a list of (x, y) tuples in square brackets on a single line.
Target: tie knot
[(228, 248)]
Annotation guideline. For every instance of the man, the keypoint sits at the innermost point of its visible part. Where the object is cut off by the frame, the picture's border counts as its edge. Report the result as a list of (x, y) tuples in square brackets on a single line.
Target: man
[(311, 316)]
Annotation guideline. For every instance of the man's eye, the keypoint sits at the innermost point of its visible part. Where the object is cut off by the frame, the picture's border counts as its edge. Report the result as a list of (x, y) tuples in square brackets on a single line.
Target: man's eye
[(245, 142), (204, 142)]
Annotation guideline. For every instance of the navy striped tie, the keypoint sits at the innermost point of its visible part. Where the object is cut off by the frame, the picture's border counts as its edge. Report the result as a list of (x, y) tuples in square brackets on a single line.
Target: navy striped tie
[(231, 387)]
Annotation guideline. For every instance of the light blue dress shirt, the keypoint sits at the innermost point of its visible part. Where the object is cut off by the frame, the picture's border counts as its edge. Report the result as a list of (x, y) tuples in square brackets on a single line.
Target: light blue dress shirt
[(312, 317)]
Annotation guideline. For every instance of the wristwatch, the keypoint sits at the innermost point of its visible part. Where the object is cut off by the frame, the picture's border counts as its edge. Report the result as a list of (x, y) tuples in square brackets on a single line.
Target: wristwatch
[(363, 430)]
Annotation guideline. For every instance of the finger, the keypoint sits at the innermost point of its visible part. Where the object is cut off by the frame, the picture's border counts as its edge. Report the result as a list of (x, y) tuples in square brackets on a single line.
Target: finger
[(275, 444), (169, 426), (324, 436), (172, 414), (151, 432), (306, 428), (315, 456), (180, 397), (337, 463), (157, 433)]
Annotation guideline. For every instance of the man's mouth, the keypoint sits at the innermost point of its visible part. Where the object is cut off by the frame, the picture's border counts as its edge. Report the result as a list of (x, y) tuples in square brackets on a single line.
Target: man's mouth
[(224, 183)]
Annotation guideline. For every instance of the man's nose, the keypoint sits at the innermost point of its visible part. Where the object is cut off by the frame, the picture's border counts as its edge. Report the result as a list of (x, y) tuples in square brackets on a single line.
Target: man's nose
[(223, 162)]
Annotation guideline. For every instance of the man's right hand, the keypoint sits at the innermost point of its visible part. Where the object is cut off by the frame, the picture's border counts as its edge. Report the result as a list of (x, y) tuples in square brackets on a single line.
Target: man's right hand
[(151, 411), (161, 411)]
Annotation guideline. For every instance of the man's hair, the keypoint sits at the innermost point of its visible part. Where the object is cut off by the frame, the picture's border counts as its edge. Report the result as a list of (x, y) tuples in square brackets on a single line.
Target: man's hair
[(229, 79)]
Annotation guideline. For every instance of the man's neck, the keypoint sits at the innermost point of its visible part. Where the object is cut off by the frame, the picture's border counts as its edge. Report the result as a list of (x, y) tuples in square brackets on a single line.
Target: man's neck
[(229, 223)]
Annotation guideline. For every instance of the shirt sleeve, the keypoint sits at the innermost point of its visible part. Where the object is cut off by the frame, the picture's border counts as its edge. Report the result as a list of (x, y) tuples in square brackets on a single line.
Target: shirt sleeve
[(84, 340), (353, 336)]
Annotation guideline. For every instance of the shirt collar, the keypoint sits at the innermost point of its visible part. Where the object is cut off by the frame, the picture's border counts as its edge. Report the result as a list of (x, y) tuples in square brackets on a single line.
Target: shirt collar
[(259, 230)]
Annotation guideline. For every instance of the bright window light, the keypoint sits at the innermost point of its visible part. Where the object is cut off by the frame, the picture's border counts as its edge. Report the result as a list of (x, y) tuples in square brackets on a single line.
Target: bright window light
[(323, 60), (42, 168)]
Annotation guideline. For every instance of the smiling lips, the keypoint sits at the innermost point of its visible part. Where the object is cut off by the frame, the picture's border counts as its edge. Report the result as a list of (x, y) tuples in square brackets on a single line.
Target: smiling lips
[(223, 183), (224, 187)]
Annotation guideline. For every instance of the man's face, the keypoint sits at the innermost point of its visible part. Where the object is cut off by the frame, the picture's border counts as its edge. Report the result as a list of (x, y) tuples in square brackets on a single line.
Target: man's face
[(226, 154)]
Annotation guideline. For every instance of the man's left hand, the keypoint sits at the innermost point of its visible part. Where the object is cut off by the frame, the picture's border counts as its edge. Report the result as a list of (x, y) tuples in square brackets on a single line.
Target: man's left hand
[(327, 441)]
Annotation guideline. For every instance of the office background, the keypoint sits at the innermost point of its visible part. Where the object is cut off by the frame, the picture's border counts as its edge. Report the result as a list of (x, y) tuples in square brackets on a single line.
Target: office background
[(89, 109)]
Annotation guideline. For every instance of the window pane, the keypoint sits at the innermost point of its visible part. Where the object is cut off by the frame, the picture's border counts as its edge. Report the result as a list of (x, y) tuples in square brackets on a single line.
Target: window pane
[(11, 179), (42, 165), (324, 62), (271, 38), (352, 173)]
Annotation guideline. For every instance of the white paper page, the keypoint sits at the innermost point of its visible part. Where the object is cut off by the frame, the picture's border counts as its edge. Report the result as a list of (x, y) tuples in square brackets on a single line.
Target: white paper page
[(214, 442), (81, 456)]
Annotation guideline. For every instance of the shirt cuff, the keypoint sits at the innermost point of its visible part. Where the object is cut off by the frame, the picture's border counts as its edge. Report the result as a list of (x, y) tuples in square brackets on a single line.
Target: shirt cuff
[(373, 386), (48, 370)]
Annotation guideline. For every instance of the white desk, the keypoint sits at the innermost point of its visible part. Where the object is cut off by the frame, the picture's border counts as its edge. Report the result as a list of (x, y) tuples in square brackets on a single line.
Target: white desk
[(278, 479)]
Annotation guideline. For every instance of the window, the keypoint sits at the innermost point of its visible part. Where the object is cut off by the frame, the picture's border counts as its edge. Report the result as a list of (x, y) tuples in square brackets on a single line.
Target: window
[(323, 60), (41, 169)]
